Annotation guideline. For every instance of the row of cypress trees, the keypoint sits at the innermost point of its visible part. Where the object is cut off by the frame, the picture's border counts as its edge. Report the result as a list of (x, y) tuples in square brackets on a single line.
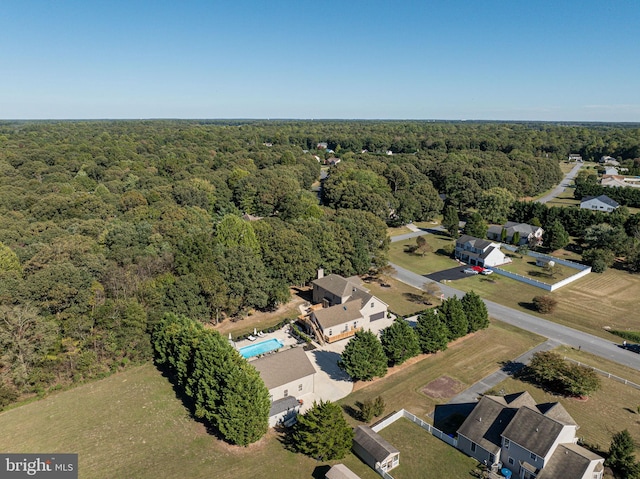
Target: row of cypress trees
[(225, 389)]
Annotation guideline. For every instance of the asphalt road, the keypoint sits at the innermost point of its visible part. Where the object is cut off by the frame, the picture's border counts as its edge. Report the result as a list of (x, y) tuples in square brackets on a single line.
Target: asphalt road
[(556, 332), (563, 184)]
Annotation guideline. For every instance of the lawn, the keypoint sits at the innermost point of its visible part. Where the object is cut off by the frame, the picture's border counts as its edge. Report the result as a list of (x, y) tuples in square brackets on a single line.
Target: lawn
[(425, 456), (430, 262), (525, 265), (468, 360), (609, 410), (401, 298), (131, 425)]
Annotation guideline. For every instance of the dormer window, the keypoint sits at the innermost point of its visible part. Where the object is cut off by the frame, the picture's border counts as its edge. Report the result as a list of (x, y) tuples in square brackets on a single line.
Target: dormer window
[(506, 443), (534, 457)]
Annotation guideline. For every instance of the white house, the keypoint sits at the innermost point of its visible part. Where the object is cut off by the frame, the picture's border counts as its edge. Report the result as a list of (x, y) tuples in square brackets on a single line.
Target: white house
[(288, 375), (531, 440), (479, 252), (529, 234), (599, 203), (347, 307)]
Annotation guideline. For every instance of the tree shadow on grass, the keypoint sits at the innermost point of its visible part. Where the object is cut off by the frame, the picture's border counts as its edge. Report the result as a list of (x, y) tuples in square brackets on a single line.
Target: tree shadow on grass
[(415, 298), (529, 306), (351, 411)]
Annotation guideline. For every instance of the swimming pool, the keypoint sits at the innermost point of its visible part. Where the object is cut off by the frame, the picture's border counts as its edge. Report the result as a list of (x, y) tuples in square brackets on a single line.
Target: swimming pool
[(260, 348)]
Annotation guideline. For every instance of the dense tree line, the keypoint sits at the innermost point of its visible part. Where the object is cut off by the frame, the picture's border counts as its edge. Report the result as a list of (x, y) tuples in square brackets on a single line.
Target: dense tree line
[(106, 226), (225, 389)]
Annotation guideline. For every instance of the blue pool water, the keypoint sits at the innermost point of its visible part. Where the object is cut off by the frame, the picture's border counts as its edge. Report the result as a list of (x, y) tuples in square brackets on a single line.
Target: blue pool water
[(260, 348)]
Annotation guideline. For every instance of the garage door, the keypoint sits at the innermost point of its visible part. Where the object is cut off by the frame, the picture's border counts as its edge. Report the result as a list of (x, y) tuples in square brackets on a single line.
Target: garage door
[(375, 317)]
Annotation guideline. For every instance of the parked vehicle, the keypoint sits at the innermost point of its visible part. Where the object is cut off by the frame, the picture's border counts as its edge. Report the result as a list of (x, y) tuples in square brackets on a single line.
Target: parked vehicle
[(469, 271), (486, 271)]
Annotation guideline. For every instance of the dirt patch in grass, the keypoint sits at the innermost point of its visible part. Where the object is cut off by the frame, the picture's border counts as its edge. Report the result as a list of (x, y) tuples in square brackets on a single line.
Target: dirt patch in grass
[(443, 388)]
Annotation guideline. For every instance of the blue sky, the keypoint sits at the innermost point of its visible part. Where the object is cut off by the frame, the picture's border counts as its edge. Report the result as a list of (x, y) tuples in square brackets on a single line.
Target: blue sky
[(561, 60)]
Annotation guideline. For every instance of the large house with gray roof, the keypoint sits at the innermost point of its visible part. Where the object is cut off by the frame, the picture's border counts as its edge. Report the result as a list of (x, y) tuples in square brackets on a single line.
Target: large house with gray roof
[(288, 375), (528, 234), (347, 307), (531, 440), (479, 252), (599, 203)]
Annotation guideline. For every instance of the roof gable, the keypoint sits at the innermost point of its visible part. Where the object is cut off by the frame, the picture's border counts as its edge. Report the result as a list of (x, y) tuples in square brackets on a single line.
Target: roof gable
[(533, 431), (568, 460), (339, 286), (374, 443), (486, 422), (339, 314)]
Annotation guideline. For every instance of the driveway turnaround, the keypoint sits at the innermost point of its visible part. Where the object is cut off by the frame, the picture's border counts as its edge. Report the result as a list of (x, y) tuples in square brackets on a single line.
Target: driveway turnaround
[(556, 332)]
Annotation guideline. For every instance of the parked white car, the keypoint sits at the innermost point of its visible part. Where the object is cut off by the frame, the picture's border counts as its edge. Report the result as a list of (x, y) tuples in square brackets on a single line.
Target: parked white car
[(469, 271)]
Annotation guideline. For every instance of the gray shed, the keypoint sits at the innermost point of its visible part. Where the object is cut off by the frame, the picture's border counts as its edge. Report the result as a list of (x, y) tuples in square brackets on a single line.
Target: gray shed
[(374, 450)]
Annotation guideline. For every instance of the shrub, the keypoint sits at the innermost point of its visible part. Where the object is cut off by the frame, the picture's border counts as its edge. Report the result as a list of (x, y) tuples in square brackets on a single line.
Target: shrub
[(545, 304)]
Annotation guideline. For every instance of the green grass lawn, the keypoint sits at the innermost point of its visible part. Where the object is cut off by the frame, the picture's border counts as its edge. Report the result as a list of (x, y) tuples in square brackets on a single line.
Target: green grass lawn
[(430, 262), (609, 410), (423, 456), (525, 265), (466, 361), (401, 298), (131, 425)]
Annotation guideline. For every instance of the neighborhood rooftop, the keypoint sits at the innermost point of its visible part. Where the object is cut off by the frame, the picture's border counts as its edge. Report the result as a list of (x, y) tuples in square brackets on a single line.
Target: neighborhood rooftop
[(373, 443), (283, 367), (338, 285)]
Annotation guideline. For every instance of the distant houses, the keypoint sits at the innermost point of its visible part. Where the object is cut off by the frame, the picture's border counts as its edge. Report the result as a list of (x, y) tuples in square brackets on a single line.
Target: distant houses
[(575, 157), (599, 203), (528, 234)]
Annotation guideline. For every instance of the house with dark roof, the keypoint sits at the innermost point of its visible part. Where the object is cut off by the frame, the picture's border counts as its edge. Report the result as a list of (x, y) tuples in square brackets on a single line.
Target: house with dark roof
[(531, 440), (599, 203), (528, 234), (347, 308), (288, 375), (374, 450), (479, 252)]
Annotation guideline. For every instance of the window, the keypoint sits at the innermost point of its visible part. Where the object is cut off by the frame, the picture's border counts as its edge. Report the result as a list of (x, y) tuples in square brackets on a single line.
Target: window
[(372, 305), (286, 392), (506, 443), (330, 333), (534, 457), (511, 461), (355, 324), (473, 447), (299, 387)]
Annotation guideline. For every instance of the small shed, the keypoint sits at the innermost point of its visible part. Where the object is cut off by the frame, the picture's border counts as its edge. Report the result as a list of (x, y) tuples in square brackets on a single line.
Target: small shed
[(374, 450), (340, 471), (545, 262)]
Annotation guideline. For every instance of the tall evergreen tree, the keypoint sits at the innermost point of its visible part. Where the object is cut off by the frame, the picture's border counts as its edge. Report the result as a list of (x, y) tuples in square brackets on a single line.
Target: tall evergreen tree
[(476, 226), (399, 342), (363, 357), (433, 334), (322, 432), (454, 318), (555, 236), (476, 311), (243, 414), (621, 455), (451, 221)]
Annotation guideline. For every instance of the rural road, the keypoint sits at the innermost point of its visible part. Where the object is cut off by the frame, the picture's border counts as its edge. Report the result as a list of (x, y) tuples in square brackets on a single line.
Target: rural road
[(568, 178), (553, 331)]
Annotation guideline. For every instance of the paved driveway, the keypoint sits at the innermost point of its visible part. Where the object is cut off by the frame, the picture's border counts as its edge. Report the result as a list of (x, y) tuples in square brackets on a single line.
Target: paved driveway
[(450, 274)]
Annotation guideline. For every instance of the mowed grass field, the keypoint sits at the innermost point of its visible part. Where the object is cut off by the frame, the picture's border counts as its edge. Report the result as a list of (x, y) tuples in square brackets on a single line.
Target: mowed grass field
[(609, 410), (467, 361), (589, 304), (423, 456), (401, 298), (131, 425)]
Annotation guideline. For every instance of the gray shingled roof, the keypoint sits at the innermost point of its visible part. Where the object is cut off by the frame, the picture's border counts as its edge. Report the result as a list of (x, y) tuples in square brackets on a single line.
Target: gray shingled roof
[(568, 460), (486, 423), (340, 471), (339, 314), (556, 411), (533, 430), (603, 199), (475, 242), (283, 367), (339, 286), (374, 443), (282, 405)]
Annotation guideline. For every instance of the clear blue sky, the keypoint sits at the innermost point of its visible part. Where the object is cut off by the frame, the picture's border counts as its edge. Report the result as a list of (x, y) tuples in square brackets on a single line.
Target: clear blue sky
[(565, 60)]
